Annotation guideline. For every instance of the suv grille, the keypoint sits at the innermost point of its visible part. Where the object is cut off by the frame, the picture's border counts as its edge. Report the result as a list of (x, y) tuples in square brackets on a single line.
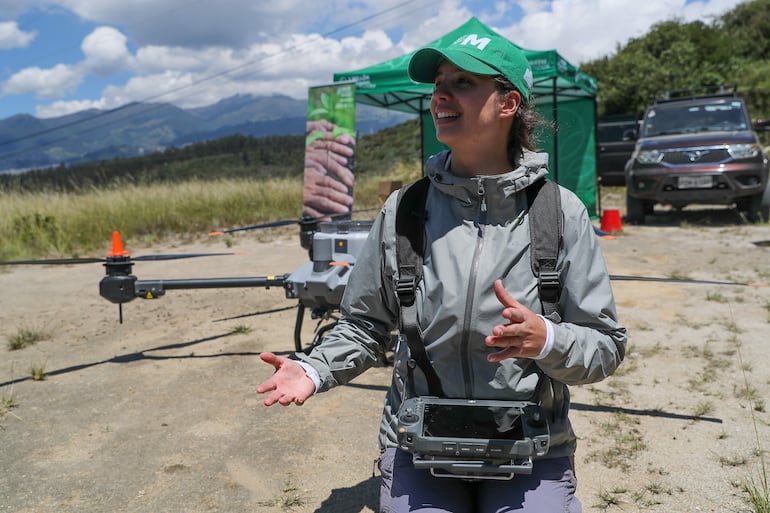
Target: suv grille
[(696, 156)]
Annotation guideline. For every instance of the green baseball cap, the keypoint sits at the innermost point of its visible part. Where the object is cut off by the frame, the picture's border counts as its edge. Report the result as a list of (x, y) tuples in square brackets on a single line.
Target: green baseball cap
[(482, 54)]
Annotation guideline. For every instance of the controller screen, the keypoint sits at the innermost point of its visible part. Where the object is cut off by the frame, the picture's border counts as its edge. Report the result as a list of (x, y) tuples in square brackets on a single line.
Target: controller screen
[(471, 421)]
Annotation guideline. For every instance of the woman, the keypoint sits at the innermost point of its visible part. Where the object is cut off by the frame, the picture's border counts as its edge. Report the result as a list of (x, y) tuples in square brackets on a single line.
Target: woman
[(477, 303)]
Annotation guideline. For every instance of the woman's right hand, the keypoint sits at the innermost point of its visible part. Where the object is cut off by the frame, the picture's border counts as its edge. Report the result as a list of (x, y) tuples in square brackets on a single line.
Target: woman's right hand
[(289, 384)]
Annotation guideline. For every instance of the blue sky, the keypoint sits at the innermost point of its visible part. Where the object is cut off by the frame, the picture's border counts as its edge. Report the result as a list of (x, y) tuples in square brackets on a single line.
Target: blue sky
[(59, 57)]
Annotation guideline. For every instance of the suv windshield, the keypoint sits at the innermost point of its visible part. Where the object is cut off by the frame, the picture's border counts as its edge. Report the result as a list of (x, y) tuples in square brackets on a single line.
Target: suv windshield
[(713, 116)]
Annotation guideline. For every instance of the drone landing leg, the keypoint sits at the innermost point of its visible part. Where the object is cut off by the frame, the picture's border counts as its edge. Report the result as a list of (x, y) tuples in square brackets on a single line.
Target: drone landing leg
[(298, 328), (120, 312)]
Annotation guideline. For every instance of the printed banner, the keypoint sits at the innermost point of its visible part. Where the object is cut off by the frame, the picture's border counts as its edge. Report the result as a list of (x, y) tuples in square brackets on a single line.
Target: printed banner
[(330, 142)]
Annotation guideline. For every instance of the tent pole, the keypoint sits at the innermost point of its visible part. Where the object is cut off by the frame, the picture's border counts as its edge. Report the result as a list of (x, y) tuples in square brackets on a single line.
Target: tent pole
[(554, 99), (596, 158)]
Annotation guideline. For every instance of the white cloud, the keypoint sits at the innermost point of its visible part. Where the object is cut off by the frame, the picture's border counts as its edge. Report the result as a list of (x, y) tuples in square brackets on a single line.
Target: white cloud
[(149, 87), (105, 51), (12, 8), (195, 77), (62, 108), (12, 37), (44, 83), (154, 59), (371, 43), (235, 23), (194, 52)]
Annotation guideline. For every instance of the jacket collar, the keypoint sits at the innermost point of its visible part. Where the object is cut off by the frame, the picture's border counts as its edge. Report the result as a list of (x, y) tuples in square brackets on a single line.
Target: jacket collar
[(533, 167)]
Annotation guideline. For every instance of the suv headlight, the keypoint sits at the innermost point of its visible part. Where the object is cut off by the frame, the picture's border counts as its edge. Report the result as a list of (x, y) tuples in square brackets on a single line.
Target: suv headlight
[(743, 151), (649, 156)]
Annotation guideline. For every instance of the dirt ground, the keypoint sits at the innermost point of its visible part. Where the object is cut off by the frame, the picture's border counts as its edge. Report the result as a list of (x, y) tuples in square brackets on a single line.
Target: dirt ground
[(159, 414)]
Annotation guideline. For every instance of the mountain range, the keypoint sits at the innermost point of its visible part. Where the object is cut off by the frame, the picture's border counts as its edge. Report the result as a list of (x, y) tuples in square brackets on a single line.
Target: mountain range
[(27, 142)]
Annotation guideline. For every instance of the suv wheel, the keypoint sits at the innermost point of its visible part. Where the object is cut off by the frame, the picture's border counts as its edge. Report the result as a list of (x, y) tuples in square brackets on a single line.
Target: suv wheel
[(637, 209), (755, 208)]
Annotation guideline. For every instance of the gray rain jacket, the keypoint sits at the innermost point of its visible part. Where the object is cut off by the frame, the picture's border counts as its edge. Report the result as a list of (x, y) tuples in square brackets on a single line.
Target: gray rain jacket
[(477, 231)]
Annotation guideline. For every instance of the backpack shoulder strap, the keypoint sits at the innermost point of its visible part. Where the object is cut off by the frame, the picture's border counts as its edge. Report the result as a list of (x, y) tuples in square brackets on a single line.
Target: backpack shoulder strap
[(546, 227), (410, 237), (410, 240)]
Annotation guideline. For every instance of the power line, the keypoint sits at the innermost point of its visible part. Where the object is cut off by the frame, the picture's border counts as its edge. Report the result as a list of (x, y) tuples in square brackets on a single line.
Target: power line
[(203, 80), (620, 277)]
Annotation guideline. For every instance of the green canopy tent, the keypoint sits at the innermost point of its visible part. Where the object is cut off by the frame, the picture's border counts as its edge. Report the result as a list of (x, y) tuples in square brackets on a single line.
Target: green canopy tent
[(563, 95)]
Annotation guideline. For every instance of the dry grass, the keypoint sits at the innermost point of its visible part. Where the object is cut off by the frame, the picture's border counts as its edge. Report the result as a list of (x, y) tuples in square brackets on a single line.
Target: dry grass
[(48, 224)]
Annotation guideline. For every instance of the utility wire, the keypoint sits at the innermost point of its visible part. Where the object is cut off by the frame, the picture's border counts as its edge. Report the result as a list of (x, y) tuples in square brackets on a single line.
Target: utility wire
[(619, 277), (187, 86)]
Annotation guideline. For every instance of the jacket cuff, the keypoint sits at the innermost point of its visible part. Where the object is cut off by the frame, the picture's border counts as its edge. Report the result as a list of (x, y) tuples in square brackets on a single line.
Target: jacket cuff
[(311, 373), (548, 339)]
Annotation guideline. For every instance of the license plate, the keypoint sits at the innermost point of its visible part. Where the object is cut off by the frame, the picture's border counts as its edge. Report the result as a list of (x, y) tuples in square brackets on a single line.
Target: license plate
[(695, 182)]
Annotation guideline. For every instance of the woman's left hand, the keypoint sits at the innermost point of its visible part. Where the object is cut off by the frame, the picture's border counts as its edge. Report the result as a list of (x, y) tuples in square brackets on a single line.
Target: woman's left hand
[(524, 335)]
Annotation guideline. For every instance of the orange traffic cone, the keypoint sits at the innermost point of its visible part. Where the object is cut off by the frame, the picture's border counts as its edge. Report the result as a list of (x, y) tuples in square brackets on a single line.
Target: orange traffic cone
[(117, 246), (611, 221)]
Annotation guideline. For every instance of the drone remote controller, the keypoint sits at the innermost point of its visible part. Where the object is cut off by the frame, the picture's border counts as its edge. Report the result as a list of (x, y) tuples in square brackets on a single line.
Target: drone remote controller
[(473, 439)]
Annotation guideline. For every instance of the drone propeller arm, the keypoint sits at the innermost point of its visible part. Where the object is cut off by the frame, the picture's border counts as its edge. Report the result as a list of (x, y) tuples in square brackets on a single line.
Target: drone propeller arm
[(151, 289), (122, 288)]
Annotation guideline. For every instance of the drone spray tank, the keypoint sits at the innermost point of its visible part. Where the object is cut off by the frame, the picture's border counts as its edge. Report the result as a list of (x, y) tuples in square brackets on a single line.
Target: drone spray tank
[(319, 284), (332, 247)]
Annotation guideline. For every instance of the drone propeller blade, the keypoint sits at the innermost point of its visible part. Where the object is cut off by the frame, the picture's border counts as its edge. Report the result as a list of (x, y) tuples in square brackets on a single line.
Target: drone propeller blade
[(54, 261), (117, 251), (271, 224), (90, 260), (179, 256), (286, 222)]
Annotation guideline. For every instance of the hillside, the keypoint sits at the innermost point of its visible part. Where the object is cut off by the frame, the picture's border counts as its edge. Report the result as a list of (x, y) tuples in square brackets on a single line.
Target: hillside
[(138, 129), (233, 156)]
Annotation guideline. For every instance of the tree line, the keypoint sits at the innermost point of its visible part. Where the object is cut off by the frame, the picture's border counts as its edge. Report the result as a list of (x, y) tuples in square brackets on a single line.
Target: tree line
[(729, 50)]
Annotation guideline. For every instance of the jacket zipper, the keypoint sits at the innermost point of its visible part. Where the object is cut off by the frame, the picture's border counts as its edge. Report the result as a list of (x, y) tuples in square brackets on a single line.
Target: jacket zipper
[(465, 349)]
